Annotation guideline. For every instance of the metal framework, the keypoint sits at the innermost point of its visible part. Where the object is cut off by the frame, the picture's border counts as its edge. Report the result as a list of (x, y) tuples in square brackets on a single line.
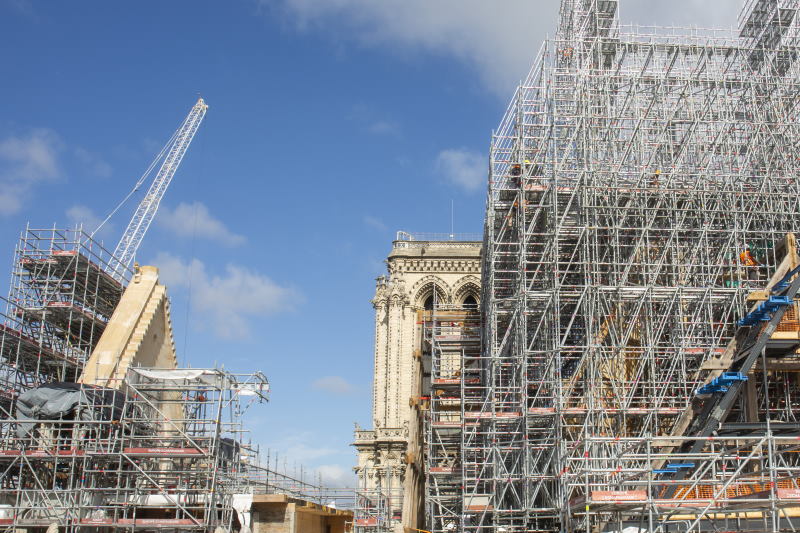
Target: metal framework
[(451, 338), (642, 184), (59, 302), (166, 450), (373, 511), (172, 154)]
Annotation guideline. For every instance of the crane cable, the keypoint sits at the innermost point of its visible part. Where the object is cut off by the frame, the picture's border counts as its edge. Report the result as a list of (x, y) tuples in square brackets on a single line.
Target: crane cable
[(139, 183), (190, 274)]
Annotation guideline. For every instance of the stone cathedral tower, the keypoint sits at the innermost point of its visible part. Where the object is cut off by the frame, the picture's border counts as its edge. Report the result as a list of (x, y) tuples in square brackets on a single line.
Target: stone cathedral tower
[(422, 270)]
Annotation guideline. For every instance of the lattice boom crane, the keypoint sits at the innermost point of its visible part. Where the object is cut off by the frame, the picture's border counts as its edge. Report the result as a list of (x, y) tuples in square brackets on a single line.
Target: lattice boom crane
[(175, 149)]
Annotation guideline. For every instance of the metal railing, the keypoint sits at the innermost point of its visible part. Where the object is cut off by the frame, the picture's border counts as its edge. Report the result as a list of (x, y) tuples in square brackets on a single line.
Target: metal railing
[(437, 237)]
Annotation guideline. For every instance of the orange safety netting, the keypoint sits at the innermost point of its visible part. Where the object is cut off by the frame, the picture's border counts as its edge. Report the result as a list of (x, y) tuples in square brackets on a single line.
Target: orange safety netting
[(789, 322), (734, 490)]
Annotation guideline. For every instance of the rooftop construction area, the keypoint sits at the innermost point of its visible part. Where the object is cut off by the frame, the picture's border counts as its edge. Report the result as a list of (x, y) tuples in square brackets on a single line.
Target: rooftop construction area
[(617, 351)]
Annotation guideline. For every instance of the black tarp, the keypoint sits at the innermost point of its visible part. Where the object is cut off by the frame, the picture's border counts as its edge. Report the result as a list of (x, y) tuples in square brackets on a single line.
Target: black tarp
[(67, 401)]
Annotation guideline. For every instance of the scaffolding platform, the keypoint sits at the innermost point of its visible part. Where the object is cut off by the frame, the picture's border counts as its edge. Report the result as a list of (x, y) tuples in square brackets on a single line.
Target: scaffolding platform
[(59, 301), (18, 349), (91, 282), (73, 323)]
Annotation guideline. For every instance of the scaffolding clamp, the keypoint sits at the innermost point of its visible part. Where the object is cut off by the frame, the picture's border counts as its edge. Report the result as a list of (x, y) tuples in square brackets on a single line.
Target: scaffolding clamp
[(764, 311), (721, 383)]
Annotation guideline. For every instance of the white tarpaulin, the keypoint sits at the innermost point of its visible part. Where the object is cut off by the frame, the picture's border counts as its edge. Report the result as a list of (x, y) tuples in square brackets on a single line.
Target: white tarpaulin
[(172, 375), (208, 377), (242, 503)]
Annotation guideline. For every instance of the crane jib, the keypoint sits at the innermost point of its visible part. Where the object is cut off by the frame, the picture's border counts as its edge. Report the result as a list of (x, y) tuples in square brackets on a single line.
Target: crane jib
[(147, 208)]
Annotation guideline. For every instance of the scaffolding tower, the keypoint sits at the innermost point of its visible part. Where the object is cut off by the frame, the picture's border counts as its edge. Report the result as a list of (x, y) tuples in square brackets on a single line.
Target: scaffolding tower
[(642, 184), (451, 339), (59, 303)]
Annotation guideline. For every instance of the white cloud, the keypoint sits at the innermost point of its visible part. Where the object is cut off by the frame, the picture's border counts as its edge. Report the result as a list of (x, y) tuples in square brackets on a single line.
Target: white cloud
[(81, 214), (296, 448), (498, 39), (463, 168), (93, 163), (225, 302), (24, 7), (24, 162), (10, 200), (33, 157), (302, 447), (701, 13), (374, 222), (384, 127), (187, 220), (373, 121), (336, 476), (333, 384)]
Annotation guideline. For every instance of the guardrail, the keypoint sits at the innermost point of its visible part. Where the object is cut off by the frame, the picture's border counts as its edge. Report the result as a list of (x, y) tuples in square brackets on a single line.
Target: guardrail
[(436, 237)]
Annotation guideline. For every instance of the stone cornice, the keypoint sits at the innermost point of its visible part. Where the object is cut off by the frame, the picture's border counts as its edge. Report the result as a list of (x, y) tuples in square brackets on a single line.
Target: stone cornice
[(442, 250), (440, 266), (379, 436)]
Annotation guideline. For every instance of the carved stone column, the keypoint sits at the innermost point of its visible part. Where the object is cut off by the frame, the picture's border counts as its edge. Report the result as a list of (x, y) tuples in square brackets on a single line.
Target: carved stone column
[(381, 372)]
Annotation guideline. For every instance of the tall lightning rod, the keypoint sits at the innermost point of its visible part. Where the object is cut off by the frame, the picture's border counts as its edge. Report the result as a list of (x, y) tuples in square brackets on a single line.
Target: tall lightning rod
[(175, 150)]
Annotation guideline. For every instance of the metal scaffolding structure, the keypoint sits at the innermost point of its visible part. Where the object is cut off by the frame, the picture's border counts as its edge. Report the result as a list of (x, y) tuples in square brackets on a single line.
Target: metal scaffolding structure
[(642, 185), (165, 450), (451, 339), (59, 302), (374, 509), (156, 449)]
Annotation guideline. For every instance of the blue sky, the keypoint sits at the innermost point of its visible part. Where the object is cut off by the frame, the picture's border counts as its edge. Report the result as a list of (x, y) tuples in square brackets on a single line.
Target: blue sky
[(332, 124)]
